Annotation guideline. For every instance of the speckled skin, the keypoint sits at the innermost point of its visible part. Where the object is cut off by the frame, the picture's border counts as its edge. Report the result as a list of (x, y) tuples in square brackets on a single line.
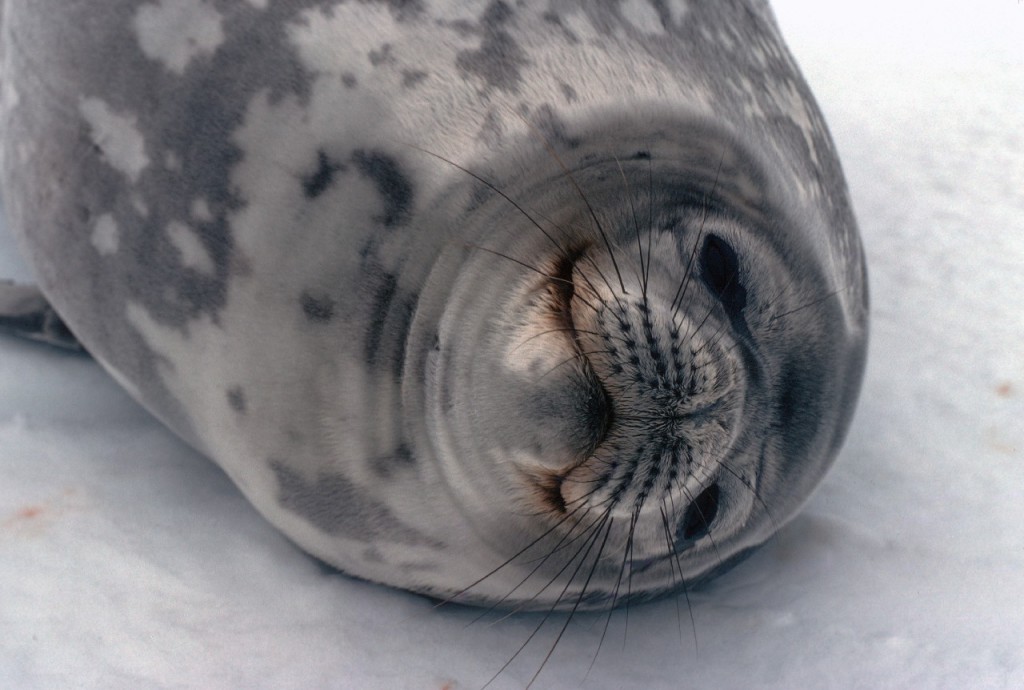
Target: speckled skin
[(278, 224)]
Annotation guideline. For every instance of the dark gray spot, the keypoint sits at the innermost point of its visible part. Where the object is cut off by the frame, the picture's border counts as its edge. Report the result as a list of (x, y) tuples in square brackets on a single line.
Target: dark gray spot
[(392, 184), (349, 80), (568, 92), (382, 56), (389, 465), (499, 59), (552, 18), (236, 399), (412, 77), (546, 119), (318, 308), (491, 133), (317, 183), (381, 305), (333, 504)]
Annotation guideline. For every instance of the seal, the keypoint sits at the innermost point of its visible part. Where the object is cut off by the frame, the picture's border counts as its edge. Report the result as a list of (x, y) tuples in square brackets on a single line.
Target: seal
[(541, 305)]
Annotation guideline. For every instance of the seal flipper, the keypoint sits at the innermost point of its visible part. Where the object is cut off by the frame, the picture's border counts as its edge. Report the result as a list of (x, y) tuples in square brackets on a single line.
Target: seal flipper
[(26, 313)]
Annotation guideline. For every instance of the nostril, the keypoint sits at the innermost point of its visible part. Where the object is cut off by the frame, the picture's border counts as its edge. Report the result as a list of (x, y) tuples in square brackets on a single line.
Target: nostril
[(699, 515)]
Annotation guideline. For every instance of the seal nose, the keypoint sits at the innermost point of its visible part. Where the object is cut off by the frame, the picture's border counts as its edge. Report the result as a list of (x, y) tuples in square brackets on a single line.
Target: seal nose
[(699, 517)]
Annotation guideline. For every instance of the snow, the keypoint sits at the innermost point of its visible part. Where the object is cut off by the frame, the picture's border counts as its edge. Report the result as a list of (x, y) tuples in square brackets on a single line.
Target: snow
[(129, 561)]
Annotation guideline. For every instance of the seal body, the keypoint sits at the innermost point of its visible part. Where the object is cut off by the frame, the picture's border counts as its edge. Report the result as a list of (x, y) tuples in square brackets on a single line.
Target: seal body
[(539, 304)]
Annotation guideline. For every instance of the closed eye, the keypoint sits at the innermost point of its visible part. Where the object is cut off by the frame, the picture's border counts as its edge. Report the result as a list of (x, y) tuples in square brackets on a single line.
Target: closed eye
[(720, 271)]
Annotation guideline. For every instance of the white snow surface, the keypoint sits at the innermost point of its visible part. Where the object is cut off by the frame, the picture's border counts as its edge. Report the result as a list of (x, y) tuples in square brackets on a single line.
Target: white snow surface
[(127, 560)]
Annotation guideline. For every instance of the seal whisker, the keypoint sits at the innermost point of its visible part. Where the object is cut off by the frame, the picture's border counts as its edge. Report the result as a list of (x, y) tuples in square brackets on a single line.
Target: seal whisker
[(540, 563), (533, 221), (585, 552), (516, 261), (776, 526), (634, 516), (636, 226), (565, 518), (566, 330), (497, 191), (812, 303), (576, 355), (590, 209), (687, 338), (560, 545), (650, 219), (710, 344), (579, 600), (687, 275), (556, 279), (682, 580)]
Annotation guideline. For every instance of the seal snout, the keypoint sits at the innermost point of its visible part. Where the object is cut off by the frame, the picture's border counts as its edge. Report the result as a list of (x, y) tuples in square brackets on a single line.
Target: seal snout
[(671, 379)]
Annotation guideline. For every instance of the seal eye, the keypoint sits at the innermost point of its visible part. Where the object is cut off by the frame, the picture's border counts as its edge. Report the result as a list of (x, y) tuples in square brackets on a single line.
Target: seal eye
[(699, 516), (720, 270)]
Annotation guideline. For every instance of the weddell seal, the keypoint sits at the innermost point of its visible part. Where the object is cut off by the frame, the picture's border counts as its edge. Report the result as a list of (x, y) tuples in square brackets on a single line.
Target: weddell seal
[(543, 305)]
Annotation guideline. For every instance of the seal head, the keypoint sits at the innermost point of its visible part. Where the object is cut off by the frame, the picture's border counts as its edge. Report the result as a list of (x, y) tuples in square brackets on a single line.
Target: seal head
[(642, 376)]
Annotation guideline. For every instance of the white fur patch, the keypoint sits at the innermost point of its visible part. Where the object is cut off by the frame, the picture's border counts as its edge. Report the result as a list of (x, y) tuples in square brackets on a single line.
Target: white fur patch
[(581, 26), (172, 162), (9, 95), (181, 354), (316, 38), (201, 211), (793, 106), (678, 9), (465, 11), (140, 205), (105, 235), (117, 136), (174, 32), (193, 253)]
